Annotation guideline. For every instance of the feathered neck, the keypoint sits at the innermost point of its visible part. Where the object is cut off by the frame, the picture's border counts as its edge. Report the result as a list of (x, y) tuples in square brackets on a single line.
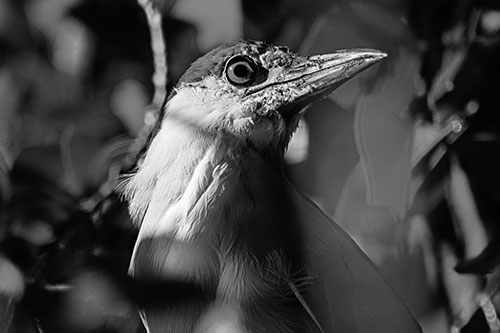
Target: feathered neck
[(176, 153), (166, 169)]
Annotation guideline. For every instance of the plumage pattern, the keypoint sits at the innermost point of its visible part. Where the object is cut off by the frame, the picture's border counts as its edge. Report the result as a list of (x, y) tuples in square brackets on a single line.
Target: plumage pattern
[(214, 206)]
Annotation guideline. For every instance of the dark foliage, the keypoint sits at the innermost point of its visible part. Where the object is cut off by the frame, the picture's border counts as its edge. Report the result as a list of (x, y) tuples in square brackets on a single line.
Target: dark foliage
[(123, 35)]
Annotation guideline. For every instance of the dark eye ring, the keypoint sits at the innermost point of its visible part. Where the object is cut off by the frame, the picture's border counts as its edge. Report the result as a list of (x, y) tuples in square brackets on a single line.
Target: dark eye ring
[(240, 70)]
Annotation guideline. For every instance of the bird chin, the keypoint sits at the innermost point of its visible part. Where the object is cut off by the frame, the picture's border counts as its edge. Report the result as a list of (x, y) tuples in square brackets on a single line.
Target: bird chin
[(293, 111)]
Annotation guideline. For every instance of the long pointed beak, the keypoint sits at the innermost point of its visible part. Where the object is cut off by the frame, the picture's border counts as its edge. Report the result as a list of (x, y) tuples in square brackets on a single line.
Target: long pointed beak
[(319, 75), (329, 71)]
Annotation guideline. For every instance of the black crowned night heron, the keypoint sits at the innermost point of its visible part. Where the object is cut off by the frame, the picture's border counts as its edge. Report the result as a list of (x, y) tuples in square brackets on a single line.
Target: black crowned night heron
[(215, 208)]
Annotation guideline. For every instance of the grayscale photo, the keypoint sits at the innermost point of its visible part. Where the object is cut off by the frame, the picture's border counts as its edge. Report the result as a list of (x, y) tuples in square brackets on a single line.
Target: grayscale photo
[(249, 166)]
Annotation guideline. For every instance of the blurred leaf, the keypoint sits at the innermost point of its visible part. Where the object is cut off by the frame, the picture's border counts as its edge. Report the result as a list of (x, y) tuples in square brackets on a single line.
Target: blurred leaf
[(36, 232), (128, 101), (11, 279), (95, 303)]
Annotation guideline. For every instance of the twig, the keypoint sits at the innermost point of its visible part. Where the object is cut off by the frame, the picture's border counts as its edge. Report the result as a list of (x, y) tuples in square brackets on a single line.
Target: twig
[(159, 48)]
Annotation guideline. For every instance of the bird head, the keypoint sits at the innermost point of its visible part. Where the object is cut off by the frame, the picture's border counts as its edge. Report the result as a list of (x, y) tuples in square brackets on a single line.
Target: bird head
[(256, 93), (240, 99)]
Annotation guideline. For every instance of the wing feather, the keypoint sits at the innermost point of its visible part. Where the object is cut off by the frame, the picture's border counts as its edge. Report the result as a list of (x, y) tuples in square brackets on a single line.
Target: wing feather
[(347, 293)]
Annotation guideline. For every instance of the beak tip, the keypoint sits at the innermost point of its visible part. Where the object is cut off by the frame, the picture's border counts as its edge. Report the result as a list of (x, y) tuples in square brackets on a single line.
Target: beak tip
[(367, 57), (371, 54), (382, 55)]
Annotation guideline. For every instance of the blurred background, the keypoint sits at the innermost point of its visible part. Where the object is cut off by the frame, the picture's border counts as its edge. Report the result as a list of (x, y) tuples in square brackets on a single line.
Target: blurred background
[(405, 157)]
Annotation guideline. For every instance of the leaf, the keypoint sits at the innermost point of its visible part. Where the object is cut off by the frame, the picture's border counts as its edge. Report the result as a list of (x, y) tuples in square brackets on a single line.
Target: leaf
[(11, 279)]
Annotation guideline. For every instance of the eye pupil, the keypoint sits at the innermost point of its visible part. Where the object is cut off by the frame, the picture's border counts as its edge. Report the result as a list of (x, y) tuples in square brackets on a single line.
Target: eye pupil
[(241, 70)]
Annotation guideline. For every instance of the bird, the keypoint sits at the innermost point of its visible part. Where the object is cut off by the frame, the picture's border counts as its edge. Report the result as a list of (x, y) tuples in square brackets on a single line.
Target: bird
[(214, 207)]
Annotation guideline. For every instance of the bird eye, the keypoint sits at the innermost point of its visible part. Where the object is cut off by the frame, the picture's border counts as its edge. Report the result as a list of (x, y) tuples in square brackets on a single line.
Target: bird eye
[(240, 70)]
